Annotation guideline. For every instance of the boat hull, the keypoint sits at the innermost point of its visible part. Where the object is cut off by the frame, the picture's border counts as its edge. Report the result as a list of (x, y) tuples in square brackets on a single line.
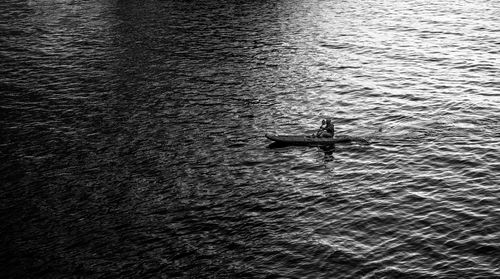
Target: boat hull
[(311, 141)]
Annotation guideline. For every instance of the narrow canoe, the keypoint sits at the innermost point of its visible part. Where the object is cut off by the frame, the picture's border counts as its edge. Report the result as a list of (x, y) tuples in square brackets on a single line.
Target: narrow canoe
[(310, 140)]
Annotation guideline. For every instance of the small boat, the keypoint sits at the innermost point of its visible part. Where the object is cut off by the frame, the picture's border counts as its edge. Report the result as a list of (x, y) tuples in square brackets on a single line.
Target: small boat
[(313, 141)]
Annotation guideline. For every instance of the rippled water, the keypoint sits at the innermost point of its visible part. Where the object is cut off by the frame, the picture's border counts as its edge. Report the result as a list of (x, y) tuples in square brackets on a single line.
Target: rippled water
[(132, 139)]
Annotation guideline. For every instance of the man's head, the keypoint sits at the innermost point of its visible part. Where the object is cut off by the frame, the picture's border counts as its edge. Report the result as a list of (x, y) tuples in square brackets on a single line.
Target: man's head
[(328, 121)]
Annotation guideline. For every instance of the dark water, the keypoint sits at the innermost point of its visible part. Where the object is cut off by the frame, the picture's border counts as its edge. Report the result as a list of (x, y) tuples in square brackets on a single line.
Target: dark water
[(132, 139)]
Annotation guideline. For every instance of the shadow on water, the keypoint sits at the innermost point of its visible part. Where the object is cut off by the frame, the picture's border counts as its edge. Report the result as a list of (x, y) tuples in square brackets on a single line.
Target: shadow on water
[(328, 151)]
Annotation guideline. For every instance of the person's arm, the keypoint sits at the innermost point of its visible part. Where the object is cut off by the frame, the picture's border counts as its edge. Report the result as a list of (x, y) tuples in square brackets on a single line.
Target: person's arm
[(320, 130)]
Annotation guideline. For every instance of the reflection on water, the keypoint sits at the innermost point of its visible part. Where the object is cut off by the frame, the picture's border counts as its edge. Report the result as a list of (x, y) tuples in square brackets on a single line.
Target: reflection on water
[(133, 141)]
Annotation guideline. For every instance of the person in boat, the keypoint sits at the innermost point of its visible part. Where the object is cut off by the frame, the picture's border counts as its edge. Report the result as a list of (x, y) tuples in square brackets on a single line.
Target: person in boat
[(328, 131)]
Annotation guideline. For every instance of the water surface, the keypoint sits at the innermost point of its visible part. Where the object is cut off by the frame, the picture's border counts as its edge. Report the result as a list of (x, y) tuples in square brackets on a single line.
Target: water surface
[(133, 141)]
